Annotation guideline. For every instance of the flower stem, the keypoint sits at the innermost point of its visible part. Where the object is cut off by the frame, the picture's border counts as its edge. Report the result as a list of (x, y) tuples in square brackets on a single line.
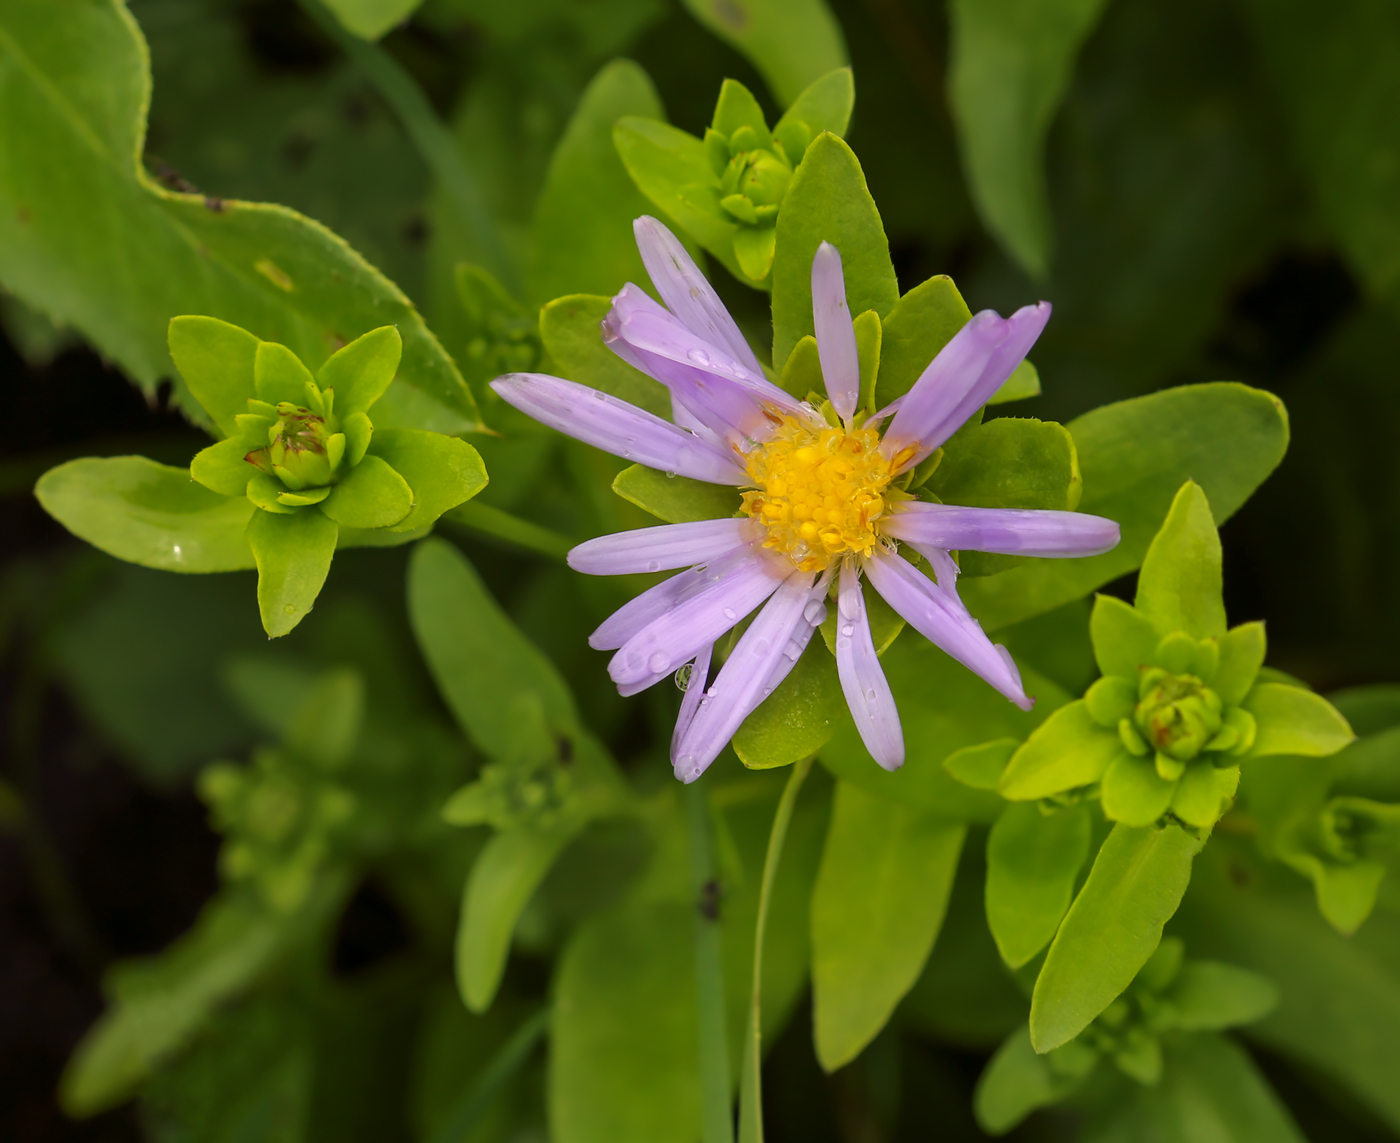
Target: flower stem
[(512, 529), (435, 143), (717, 1114), (751, 1082)]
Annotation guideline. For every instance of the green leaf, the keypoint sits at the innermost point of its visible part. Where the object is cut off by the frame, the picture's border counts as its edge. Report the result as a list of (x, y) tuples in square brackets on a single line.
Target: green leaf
[(981, 766), (78, 213), (1369, 709), (1024, 382), (372, 495), (828, 202), (1180, 583), (478, 658), (361, 371), (1294, 721), (675, 499), (1134, 793), (1207, 996), (1007, 463), (1011, 65), (634, 1080), (370, 19), (216, 361), (279, 375), (222, 468), (792, 42), (877, 907), (504, 877), (293, 555), (1068, 750), (1017, 1081), (442, 471), (1241, 655), (569, 327), (582, 239), (1112, 928), (824, 105), (736, 107), (671, 168), (921, 323), (148, 513), (1033, 859), (1123, 637), (798, 718), (1133, 457)]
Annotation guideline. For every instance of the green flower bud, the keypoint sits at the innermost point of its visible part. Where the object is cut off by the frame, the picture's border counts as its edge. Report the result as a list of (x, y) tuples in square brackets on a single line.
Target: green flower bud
[(1177, 715), (765, 180), (297, 451)]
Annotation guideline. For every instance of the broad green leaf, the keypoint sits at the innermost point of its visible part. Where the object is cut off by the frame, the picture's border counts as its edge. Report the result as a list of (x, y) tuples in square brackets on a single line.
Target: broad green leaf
[(372, 495), (1180, 583), (828, 202), (1015, 1082), (1369, 709), (1068, 750), (216, 361), (569, 327), (736, 107), (1134, 793), (478, 658), (824, 105), (370, 19), (1112, 928), (921, 323), (633, 1080), (79, 215), (361, 371), (675, 499), (943, 707), (793, 43), (148, 513), (981, 766), (223, 467), (876, 910), (869, 333), (1024, 382), (582, 238), (1133, 457), (798, 718), (442, 471), (293, 555), (279, 375), (1294, 721), (1007, 463), (1241, 656), (670, 167), (1123, 637), (1207, 996), (1011, 65), (503, 878), (1033, 859)]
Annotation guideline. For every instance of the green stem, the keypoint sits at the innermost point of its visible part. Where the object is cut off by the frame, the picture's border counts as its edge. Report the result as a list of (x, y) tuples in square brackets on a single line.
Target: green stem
[(513, 530), (500, 1070), (717, 1120), (435, 143), (751, 1082)]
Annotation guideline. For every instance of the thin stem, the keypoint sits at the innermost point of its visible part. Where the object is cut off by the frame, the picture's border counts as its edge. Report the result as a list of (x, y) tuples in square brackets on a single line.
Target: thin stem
[(435, 143), (751, 1081), (512, 529), (717, 1116)]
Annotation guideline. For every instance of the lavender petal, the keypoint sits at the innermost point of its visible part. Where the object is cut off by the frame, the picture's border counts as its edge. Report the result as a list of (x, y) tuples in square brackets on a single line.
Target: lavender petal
[(836, 336), (663, 547), (615, 426), (1009, 531), (960, 380), (863, 680), (694, 691), (686, 292), (939, 615)]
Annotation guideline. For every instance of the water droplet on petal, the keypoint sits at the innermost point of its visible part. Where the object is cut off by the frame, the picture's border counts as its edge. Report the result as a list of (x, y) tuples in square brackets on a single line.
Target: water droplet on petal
[(658, 663), (848, 629), (793, 650), (670, 476), (730, 614), (683, 676), (654, 565), (686, 764), (870, 694), (699, 356), (814, 612), (600, 396)]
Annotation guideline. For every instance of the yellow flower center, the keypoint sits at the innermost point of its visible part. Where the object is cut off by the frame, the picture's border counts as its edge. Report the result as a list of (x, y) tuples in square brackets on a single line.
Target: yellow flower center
[(819, 492)]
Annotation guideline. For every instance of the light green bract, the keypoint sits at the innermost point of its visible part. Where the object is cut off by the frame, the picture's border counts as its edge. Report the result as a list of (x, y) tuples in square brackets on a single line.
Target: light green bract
[(301, 470)]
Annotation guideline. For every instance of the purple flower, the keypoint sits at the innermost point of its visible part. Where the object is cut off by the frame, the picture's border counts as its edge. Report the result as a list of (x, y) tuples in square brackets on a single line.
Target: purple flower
[(823, 506)]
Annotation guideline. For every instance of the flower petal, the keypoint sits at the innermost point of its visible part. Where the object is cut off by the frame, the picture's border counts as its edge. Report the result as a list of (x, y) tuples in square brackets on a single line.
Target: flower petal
[(675, 637), (959, 381), (663, 547), (694, 690), (939, 615), (653, 603), (686, 292), (813, 613), (615, 426), (743, 682), (836, 336), (863, 680), (1009, 531)]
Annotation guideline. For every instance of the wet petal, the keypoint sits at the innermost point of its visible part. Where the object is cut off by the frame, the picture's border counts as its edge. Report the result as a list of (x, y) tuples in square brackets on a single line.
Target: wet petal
[(836, 336), (960, 380), (744, 681), (813, 612), (939, 615), (1009, 531), (862, 678), (662, 548), (675, 637), (686, 292), (694, 691), (615, 426), (653, 603)]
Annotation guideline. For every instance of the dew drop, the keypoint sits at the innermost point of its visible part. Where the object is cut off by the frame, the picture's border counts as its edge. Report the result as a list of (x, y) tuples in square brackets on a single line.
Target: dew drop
[(654, 565), (670, 476), (704, 700), (870, 694), (815, 612), (600, 396), (685, 764), (848, 629), (658, 663), (730, 614), (699, 356), (793, 650), (683, 676), (631, 440), (767, 691)]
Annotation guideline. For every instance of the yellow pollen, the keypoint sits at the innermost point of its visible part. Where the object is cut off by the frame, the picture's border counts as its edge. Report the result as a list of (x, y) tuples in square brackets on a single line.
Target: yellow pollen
[(820, 491)]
